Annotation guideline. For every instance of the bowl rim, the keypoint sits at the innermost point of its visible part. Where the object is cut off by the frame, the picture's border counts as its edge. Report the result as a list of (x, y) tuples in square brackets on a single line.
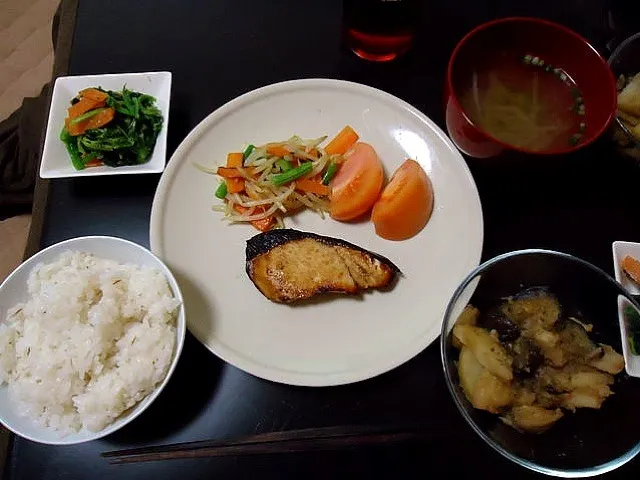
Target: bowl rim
[(181, 329), (556, 472), (539, 21), (616, 52)]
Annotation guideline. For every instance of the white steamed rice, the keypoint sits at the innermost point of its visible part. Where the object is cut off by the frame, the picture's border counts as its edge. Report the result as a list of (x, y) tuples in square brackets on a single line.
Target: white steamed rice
[(94, 338)]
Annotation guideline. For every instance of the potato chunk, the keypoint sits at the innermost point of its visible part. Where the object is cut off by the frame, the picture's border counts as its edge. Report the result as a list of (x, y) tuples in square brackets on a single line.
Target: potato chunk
[(611, 361), (487, 350), (534, 419), (483, 389), (469, 371), (469, 316)]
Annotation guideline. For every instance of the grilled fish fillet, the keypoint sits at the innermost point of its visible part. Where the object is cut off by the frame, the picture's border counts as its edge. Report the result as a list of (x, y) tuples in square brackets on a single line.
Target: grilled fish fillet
[(289, 265)]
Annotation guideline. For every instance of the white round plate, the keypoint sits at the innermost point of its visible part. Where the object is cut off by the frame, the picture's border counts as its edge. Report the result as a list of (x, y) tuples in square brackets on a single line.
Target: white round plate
[(326, 343), (14, 290)]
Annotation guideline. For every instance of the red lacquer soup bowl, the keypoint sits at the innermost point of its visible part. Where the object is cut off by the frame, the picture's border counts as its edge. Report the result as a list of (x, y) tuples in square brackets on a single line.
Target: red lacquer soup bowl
[(514, 38)]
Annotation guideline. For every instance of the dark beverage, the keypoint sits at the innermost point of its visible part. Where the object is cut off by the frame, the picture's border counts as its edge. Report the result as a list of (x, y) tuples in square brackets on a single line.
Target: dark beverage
[(379, 30)]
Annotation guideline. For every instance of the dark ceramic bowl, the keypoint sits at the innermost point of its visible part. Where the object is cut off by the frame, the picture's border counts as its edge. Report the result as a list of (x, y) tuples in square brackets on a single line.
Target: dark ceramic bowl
[(588, 442)]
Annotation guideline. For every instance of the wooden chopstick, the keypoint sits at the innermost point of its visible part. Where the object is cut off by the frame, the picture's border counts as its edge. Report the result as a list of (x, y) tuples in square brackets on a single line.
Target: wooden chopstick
[(304, 440)]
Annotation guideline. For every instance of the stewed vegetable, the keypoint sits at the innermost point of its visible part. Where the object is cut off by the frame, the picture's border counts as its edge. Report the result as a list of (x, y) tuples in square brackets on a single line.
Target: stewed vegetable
[(528, 362)]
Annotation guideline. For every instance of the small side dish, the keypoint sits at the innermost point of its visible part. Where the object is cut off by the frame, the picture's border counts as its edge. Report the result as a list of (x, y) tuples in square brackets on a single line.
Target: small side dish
[(631, 267), (528, 362), (112, 128), (345, 178), (628, 113), (93, 339), (289, 265)]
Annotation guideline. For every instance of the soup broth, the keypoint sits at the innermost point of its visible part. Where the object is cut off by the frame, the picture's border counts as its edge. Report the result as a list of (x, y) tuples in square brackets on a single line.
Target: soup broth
[(524, 105)]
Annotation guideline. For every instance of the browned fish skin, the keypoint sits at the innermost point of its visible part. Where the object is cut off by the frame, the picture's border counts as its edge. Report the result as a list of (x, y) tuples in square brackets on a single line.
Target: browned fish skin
[(289, 265)]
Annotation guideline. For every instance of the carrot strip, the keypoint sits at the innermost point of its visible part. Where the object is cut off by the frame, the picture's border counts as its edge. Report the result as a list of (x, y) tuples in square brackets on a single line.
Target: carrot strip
[(94, 94), (308, 185), (264, 224), (83, 106), (261, 225), (342, 142), (101, 119), (75, 129), (226, 172), (631, 266), (277, 149), (235, 185), (234, 159), (94, 163)]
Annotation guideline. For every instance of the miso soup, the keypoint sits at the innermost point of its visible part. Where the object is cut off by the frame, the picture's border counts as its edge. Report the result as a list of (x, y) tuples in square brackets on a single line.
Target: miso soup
[(530, 106)]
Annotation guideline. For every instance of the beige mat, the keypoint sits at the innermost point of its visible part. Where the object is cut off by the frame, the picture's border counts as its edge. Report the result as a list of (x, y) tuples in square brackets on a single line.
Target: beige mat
[(26, 60), (26, 51), (13, 238)]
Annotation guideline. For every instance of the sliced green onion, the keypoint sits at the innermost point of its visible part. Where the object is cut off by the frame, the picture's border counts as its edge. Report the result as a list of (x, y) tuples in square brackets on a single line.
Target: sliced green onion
[(247, 151), (293, 174), (284, 165), (221, 191), (72, 148), (330, 173), (575, 139), (89, 114)]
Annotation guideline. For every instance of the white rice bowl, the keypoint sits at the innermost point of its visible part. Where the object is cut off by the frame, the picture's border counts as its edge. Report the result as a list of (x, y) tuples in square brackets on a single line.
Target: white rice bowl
[(91, 341)]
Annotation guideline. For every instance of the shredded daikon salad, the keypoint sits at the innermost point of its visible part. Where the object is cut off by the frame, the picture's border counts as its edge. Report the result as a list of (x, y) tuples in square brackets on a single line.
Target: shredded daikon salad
[(263, 184)]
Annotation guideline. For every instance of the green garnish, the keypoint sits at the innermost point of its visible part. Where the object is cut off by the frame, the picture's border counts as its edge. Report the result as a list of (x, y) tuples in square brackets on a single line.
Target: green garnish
[(284, 165), (293, 174), (633, 327), (575, 139), (578, 102), (221, 191), (247, 151), (72, 147), (129, 139), (87, 115), (330, 173)]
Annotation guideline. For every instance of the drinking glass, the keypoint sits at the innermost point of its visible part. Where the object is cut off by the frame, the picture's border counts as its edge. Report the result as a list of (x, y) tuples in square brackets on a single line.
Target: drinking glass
[(379, 30)]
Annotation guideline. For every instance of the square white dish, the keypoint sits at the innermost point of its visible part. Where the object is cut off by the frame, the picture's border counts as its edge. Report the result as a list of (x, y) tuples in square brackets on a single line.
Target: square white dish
[(620, 250), (55, 158)]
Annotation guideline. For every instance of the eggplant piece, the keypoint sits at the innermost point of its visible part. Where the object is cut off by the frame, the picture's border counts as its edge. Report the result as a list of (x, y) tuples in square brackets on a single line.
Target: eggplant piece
[(496, 320), (288, 265), (575, 341), (527, 357), (533, 308)]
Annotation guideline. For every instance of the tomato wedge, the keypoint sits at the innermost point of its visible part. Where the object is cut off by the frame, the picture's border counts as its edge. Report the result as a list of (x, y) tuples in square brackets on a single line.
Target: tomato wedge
[(357, 185), (406, 203)]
